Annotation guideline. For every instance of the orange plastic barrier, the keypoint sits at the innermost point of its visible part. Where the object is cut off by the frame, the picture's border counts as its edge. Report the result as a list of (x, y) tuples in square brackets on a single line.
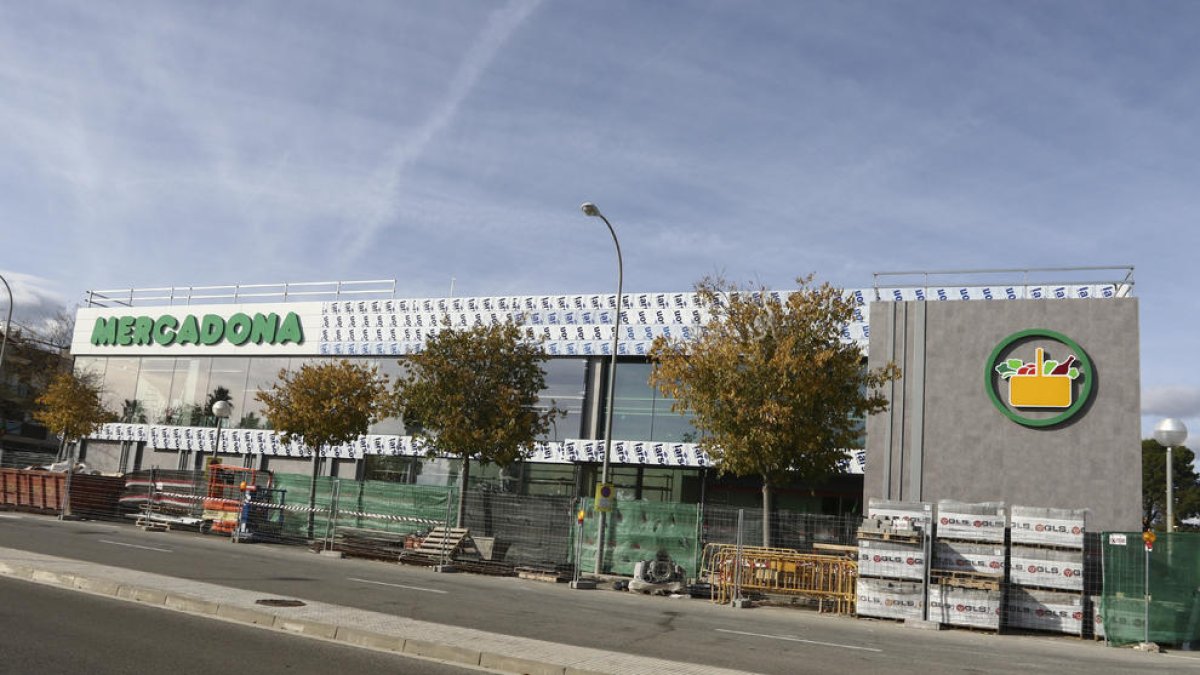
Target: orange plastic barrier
[(27, 490)]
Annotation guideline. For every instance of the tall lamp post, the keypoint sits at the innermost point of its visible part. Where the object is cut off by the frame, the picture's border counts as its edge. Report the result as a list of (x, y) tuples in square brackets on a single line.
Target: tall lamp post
[(589, 209), (1169, 433), (222, 410), (7, 327)]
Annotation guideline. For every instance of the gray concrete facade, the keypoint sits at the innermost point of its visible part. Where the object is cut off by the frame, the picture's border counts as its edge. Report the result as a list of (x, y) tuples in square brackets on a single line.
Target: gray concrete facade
[(943, 438)]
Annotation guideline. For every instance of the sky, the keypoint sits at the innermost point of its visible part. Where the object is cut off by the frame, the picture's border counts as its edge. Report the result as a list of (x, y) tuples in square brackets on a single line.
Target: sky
[(450, 144)]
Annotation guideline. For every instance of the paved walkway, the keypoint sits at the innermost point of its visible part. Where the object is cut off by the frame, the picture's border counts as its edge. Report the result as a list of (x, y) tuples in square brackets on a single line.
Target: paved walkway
[(493, 651)]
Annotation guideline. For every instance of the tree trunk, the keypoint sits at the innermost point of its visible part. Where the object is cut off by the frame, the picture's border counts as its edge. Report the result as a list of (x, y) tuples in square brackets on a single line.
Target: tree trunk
[(462, 490), (312, 491), (766, 509)]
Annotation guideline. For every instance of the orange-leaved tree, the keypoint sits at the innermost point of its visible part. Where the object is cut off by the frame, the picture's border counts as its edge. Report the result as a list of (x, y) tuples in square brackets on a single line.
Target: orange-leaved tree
[(324, 403), (774, 388), (71, 406), (474, 393)]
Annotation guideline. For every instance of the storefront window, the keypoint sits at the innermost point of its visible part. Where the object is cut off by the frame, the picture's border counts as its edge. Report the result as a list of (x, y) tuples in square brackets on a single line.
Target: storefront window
[(229, 374), (392, 369), (189, 390), (92, 366), (262, 373), (641, 413), (565, 382), (153, 392), (120, 389)]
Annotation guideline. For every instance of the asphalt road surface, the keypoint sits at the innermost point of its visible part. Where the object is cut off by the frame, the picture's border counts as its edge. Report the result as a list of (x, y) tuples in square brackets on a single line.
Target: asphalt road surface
[(765, 640), (51, 630)]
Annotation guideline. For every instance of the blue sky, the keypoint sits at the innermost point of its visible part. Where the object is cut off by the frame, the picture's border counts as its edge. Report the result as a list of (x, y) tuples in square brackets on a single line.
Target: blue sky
[(178, 143)]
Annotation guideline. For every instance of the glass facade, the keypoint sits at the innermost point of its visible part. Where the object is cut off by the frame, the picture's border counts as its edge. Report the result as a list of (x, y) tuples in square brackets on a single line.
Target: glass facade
[(641, 412), (261, 373), (180, 390), (566, 383), (153, 392), (189, 388)]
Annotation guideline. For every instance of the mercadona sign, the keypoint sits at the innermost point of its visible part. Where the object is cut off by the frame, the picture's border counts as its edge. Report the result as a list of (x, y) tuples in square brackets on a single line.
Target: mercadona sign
[(205, 330)]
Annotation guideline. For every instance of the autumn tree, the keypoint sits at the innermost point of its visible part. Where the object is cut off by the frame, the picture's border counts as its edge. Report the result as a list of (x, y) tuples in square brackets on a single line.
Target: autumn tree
[(774, 390), (71, 406), (474, 393), (1185, 483), (324, 404)]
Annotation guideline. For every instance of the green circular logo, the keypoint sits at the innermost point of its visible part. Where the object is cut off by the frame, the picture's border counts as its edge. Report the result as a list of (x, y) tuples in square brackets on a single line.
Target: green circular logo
[(1039, 371)]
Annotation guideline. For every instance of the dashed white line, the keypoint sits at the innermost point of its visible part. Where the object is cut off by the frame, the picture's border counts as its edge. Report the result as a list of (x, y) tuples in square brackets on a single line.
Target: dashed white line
[(146, 548), (384, 583), (796, 639)]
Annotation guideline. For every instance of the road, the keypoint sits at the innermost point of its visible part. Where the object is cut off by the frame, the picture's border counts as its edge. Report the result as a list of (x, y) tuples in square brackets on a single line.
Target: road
[(50, 630), (766, 640)]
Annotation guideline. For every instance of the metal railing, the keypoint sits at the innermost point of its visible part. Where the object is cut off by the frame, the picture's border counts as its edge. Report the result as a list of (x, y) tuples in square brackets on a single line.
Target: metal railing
[(1118, 276), (238, 293)]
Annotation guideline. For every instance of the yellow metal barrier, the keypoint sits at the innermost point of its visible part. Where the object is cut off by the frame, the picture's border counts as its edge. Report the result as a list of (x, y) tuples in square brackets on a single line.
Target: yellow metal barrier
[(830, 579)]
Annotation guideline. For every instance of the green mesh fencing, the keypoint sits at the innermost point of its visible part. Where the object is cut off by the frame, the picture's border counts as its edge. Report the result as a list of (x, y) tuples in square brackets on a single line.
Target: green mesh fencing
[(1173, 586), (394, 507), (642, 530), (296, 513), (377, 505)]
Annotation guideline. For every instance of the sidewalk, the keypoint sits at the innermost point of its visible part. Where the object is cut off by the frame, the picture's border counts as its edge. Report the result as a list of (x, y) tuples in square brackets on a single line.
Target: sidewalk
[(342, 624)]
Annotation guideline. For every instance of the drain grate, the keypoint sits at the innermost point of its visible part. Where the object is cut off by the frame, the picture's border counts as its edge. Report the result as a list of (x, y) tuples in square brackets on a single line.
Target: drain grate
[(279, 602)]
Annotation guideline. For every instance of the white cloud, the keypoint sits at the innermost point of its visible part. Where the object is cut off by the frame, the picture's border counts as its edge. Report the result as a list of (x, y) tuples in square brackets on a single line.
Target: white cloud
[(1171, 401), (500, 27), (33, 297)]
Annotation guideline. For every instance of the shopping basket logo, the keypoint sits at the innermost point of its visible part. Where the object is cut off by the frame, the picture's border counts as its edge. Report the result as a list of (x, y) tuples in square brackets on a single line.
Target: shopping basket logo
[(1047, 389)]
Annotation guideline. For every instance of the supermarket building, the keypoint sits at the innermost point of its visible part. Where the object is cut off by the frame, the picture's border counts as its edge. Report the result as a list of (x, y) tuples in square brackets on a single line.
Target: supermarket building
[(161, 353)]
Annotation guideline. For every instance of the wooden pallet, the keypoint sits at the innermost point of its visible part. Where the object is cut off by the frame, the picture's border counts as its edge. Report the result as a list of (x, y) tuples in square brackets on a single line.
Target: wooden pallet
[(536, 574), (146, 522), (901, 537), (986, 582), (366, 543), (442, 541), (835, 549)]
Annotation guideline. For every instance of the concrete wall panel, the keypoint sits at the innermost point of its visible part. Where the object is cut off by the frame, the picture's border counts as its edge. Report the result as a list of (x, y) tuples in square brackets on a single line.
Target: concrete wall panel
[(944, 439)]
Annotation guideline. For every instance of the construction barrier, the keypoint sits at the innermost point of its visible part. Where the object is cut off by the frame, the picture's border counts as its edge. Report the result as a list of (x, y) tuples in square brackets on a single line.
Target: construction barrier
[(29, 490), (828, 579)]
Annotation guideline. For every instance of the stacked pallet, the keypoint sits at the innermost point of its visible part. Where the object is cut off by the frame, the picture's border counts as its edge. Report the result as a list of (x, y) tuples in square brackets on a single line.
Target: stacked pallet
[(967, 580), (892, 559), (1046, 590)]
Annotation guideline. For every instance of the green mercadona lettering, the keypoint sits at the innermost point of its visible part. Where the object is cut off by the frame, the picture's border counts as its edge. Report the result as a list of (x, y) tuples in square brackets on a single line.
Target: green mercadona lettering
[(210, 329)]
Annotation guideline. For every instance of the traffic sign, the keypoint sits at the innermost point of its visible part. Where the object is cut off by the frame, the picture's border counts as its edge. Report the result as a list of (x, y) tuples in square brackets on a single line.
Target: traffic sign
[(605, 496)]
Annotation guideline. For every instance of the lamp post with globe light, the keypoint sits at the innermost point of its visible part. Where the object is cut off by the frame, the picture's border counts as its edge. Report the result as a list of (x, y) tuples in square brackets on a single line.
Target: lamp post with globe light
[(222, 410), (1170, 433)]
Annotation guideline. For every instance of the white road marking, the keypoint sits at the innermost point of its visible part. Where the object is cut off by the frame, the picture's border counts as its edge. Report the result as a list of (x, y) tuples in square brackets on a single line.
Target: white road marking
[(9, 516), (384, 583), (147, 548), (795, 639)]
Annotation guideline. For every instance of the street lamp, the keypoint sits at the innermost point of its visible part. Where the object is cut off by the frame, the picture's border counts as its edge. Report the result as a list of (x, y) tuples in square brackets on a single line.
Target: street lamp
[(589, 209), (1170, 432), (7, 327), (222, 410)]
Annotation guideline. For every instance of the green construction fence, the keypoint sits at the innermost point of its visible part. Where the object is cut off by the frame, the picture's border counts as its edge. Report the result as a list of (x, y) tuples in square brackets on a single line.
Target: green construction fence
[(1172, 588)]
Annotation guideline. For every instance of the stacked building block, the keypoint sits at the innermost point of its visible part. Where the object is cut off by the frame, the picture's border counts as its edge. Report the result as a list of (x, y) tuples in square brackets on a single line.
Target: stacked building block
[(967, 579), (1046, 581), (892, 559)]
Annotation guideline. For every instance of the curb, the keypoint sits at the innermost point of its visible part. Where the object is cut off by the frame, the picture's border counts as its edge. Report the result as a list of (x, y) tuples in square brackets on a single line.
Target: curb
[(348, 635)]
